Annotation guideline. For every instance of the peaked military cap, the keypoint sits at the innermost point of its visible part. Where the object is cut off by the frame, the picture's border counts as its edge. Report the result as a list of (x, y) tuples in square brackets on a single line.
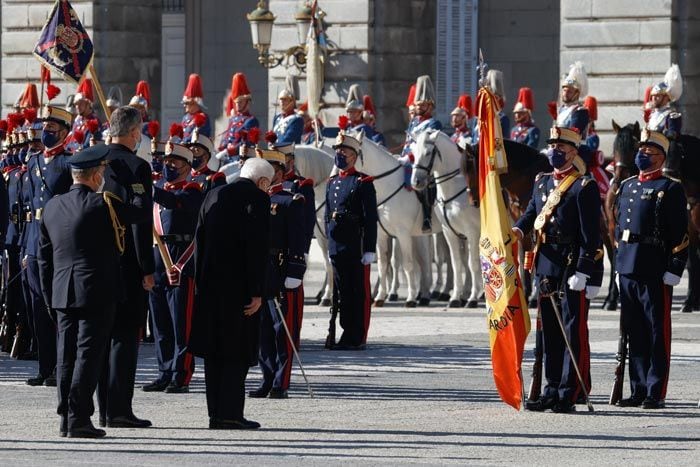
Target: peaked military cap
[(89, 157)]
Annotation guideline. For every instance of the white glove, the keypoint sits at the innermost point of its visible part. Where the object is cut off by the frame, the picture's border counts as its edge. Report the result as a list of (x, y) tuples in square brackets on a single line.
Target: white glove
[(577, 282), (306, 258), (671, 279), (292, 283), (592, 291), (617, 280), (369, 258)]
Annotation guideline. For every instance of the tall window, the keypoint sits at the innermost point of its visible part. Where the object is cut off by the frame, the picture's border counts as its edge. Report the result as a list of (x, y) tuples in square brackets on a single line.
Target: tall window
[(456, 54)]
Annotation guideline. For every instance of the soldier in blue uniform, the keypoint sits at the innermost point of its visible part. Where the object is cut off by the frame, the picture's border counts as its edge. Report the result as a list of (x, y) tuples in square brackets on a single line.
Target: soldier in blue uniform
[(369, 116), (82, 129), (177, 202), (354, 108), (193, 101), (571, 113), (459, 120), (424, 104), (285, 271), (652, 238), (525, 131), (351, 228), (48, 176), (288, 125), (664, 118), (565, 212), (308, 135), (240, 116), (202, 149)]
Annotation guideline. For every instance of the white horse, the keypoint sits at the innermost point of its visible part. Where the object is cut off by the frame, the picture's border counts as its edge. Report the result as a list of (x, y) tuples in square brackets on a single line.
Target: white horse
[(400, 216), (437, 156)]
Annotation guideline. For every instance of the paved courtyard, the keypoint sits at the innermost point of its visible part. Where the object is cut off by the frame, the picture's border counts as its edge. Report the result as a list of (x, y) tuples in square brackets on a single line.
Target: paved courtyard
[(421, 393)]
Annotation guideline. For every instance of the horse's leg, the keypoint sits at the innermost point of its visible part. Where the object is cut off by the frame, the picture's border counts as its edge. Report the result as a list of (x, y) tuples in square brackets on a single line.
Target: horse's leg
[(455, 245), (382, 268), (437, 282), (395, 271), (425, 268), (449, 271), (691, 301), (405, 242)]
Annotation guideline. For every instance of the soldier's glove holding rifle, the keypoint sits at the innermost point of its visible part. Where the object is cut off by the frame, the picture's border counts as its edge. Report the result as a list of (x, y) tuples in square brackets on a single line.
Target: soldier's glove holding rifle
[(577, 282), (671, 279), (292, 283), (174, 275), (369, 258)]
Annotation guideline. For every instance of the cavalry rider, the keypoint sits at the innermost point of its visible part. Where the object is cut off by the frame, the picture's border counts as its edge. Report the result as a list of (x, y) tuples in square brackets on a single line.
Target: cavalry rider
[(193, 101), (525, 131), (351, 229), (86, 122), (142, 101), (460, 120), (597, 159), (495, 83), (565, 212), (285, 271), (424, 103), (288, 125), (652, 251), (176, 203), (664, 118), (369, 116), (571, 114), (240, 118), (354, 108), (202, 150), (308, 135)]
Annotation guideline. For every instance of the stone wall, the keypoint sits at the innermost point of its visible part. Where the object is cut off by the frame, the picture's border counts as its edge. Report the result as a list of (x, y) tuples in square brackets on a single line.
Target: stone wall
[(687, 40), (521, 38), (626, 45)]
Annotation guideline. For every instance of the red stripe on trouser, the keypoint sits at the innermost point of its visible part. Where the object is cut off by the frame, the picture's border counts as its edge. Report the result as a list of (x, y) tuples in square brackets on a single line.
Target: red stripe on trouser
[(667, 337), (367, 302), (189, 358), (289, 318)]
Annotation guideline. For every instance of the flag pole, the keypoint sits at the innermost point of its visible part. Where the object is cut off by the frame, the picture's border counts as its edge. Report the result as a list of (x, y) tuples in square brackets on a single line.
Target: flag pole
[(100, 94)]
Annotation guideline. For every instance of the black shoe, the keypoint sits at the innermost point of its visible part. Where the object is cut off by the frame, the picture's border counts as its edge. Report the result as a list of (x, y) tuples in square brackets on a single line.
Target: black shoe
[(28, 356), (427, 227), (36, 381), (564, 407), (278, 394), (156, 386), (177, 389), (240, 424), (63, 427), (651, 403), (102, 422), (88, 431), (259, 393), (541, 404), (50, 381), (129, 421), (634, 401)]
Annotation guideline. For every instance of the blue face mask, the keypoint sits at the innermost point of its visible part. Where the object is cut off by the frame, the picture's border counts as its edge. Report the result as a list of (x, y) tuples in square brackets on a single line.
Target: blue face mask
[(340, 160), (642, 160), (157, 165), (49, 138), (197, 162), (170, 173), (556, 157)]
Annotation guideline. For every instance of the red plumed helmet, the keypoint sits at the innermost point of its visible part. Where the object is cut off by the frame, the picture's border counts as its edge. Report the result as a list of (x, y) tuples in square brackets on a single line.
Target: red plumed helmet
[(79, 136), (92, 125), (368, 104), (29, 115), (465, 103), (239, 86), (154, 129), (526, 102), (30, 97), (411, 95), (15, 120), (52, 91), (343, 122), (591, 103), (254, 135), (199, 119), (176, 130), (271, 137), (193, 91), (552, 109), (85, 91), (144, 90)]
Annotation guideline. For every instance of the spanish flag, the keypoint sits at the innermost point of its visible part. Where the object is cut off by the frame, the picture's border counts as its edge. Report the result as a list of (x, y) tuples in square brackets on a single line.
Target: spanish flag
[(507, 316)]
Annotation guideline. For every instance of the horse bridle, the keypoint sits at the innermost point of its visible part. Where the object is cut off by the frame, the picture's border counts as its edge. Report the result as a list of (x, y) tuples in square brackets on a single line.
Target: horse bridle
[(429, 169)]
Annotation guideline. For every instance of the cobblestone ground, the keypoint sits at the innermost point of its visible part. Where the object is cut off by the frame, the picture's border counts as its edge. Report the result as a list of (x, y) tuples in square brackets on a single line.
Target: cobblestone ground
[(421, 393)]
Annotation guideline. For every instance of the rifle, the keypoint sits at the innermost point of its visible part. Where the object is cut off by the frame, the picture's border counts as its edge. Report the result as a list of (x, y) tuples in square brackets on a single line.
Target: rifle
[(621, 357), (330, 338), (536, 382)]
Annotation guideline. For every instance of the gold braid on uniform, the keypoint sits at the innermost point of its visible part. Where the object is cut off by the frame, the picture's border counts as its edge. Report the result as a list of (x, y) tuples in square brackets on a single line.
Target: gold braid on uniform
[(119, 229)]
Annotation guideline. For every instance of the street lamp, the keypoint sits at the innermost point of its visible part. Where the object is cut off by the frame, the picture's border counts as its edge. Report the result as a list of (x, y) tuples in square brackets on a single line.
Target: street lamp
[(261, 20)]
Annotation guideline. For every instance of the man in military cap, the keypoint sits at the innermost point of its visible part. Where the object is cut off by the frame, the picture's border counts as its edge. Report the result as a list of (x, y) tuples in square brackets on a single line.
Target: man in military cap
[(571, 114), (459, 120), (81, 240), (664, 118), (48, 175), (288, 124), (240, 99), (232, 230), (308, 135), (177, 201), (354, 108), (285, 271), (127, 176), (525, 131), (351, 228), (86, 123), (193, 102), (202, 149), (565, 212), (652, 238)]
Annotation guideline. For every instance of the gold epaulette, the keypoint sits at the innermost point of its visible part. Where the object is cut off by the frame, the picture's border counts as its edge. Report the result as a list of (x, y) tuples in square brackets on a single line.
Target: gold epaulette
[(683, 245), (119, 229)]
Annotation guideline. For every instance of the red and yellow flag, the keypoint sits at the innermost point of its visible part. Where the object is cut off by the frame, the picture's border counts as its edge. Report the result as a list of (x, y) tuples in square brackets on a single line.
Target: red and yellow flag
[(507, 315)]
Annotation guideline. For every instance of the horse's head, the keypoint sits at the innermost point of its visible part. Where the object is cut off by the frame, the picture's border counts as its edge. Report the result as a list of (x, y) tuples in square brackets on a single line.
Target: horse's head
[(425, 153), (625, 147)]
